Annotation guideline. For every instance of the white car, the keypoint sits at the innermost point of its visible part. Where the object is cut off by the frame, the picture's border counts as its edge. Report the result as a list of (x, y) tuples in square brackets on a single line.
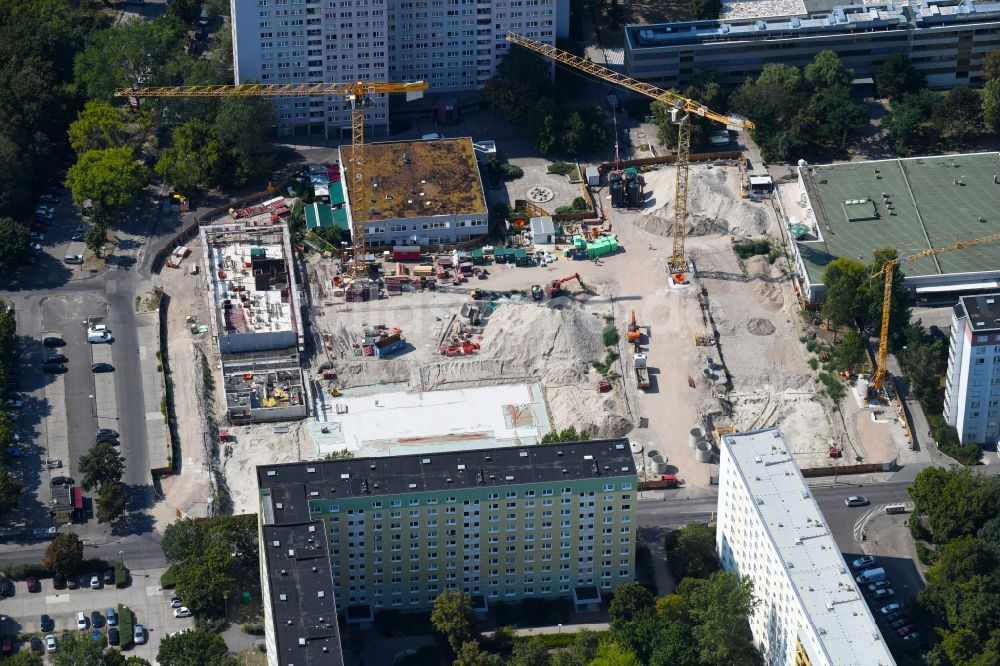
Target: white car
[(176, 602), (50, 643), (179, 632), (95, 582), (183, 611), (891, 608), (81, 620)]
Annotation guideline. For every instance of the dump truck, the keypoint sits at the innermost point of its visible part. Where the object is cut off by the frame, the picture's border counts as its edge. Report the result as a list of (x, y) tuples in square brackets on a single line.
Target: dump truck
[(641, 372)]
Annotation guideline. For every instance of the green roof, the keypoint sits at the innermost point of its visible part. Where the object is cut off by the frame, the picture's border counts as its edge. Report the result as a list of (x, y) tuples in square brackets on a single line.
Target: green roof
[(323, 216), (930, 202)]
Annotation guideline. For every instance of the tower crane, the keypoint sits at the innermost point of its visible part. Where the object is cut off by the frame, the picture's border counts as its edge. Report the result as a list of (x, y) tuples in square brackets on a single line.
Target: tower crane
[(358, 93), (887, 275), (681, 109)]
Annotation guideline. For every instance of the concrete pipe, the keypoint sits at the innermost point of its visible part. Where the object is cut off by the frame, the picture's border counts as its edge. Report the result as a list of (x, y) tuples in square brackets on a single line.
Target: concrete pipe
[(703, 453), (659, 463), (695, 435)]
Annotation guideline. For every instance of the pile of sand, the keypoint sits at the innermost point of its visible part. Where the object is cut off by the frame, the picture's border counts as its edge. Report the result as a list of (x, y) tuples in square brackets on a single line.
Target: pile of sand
[(713, 208)]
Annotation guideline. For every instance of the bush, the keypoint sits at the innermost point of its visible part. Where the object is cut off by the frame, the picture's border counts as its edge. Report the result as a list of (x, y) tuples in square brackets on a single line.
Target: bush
[(924, 553), (833, 386), (168, 580), (22, 571), (813, 362), (122, 575), (126, 626), (253, 628), (561, 168), (747, 249), (610, 333), (210, 625)]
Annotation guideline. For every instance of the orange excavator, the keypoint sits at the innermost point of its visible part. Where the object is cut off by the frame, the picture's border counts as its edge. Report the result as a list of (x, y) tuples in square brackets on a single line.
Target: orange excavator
[(554, 288), (633, 334)]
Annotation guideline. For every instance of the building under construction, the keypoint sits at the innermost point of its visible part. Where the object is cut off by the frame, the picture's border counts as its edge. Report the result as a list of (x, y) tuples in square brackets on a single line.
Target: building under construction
[(256, 318), (852, 209)]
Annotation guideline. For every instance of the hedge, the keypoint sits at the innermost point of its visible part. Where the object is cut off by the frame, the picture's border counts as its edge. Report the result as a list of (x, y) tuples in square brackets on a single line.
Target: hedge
[(22, 571), (253, 628), (122, 576), (552, 641), (168, 580), (126, 626)]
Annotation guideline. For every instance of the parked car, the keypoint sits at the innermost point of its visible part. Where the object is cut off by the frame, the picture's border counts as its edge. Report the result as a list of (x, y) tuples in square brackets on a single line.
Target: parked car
[(35, 247), (95, 582), (50, 643), (176, 602), (81, 620), (54, 368), (890, 608), (863, 562), (59, 582), (49, 198), (856, 500), (885, 593), (912, 636), (53, 341), (81, 228), (47, 624), (72, 583), (46, 211), (62, 481), (112, 617), (56, 358), (37, 236), (107, 431), (36, 644), (33, 584), (903, 631), (106, 438), (114, 638), (901, 622), (108, 577), (77, 238), (6, 588), (139, 634), (102, 367), (96, 620), (96, 635), (73, 259), (183, 611), (878, 585)]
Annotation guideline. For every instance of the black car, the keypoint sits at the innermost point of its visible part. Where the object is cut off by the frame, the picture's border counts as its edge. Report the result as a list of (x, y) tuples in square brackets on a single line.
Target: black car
[(102, 367), (56, 358), (62, 481), (107, 432), (6, 588), (77, 237), (110, 439), (54, 369), (59, 582), (72, 583), (54, 342), (113, 637), (47, 624), (109, 577), (96, 619), (36, 644)]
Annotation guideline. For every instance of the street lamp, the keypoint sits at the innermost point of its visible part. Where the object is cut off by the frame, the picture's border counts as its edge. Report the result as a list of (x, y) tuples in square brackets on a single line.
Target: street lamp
[(121, 557), (93, 406)]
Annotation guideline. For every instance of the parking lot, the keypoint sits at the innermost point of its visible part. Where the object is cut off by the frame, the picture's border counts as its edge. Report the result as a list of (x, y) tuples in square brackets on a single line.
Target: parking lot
[(149, 602)]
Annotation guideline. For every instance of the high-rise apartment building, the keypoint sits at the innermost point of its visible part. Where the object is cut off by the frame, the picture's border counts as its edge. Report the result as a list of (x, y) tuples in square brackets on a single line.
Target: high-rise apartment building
[(771, 531), (972, 391), (454, 45)]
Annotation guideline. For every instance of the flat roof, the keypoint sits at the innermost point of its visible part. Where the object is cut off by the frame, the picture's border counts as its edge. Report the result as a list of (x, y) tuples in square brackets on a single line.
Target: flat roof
[(251, 286), (982, 311), (842, 621), (935, 201), (435, 472), (304, 611), (402, 422), (419, 178)]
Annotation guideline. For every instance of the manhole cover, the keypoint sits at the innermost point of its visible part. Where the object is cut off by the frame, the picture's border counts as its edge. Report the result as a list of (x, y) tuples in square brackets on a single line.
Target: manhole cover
[(541, 194)]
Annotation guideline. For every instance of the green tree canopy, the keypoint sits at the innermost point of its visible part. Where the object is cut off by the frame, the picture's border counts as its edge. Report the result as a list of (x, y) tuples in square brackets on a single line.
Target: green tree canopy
[(909, 119), (520, 75), (691, 551), (112, 502), (24, 658), (850, 353), (64, 554), (720, 608), (470, 654), (991, 65), (610, 653), (956, 501), (452, 618), (629, 601), (991, 103), (838, 115), (672, 608), (110, 177), (243, 129), (100, 466), (194, 159), (530, 653), (897, 76), (197, 648), (827, 72), (98, 126), (959, 117), (206, 582), (14, 242), (899, 300), (182, 539), (845, 281)]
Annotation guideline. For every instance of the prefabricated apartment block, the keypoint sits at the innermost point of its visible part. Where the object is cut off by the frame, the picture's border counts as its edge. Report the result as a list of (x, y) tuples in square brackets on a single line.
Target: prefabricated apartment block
[(915, 204), (546, 521), (972, 390), (945, 39), (771, 530), (256, 318), (419, 192)]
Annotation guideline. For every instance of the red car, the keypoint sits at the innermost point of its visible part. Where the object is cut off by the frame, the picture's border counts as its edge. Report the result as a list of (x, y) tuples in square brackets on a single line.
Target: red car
[(902, 631), (33, 584)]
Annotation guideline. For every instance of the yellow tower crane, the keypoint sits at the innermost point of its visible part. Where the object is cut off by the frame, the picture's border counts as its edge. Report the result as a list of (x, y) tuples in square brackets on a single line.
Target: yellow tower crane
[(681, 109), (358, 93), (887, 275)]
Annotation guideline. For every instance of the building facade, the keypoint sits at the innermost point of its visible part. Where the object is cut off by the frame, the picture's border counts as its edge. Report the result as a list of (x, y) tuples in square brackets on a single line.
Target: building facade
[(972, 391), (498, 524), (771, 531), (945, 40), (454, 45)]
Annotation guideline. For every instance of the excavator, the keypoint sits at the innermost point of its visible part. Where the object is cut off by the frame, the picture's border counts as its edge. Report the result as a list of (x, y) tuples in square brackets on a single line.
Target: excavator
[(554, 288), (633, 334)]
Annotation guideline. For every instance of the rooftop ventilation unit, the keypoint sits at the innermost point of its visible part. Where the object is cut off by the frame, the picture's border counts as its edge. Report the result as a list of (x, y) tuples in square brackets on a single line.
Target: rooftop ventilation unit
[(461, 466)]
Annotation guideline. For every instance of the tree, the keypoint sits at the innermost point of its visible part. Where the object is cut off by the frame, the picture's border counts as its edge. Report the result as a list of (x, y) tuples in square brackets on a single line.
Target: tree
[(94, 237), (908, 119), (78, 650), (205, 582), (960, 115), (98, 126), (991, 102), (850, 353), (452, 618), (990, 531), (719, 609), (112, 502), (197, 648), (110, 177), (991, 65), (520, 75), (342, 454), (610, 653), (899, 299), (956, 501), (844, 279), (24, 658), (543, 125), (897, 76), (182, 539), (14, 242), (629, 601), (826, 72), (583, 649), (470, 654), (838, 115), (530, 653), (924, 363), (243, 127), (705, 9), (691, 551), (195, 158), (10, 490), (672, 608), (574, 134), (102, 465), (64, 554), (187, 11)]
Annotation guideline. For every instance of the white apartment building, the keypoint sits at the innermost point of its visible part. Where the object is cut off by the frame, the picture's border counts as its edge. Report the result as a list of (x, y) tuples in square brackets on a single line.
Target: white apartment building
[(972, 392), (770, 529), (454, 45)]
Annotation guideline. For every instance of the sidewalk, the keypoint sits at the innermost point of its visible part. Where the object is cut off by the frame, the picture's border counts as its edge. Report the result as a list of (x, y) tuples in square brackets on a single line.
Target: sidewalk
[(560, 628), (157, 433)]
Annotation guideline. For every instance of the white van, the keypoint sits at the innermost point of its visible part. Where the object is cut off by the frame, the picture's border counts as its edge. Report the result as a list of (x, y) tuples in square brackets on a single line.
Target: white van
[(96, 337), (73, 258)]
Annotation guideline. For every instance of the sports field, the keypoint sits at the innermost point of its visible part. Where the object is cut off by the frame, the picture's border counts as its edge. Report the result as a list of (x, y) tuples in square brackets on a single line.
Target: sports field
[(909, 204)]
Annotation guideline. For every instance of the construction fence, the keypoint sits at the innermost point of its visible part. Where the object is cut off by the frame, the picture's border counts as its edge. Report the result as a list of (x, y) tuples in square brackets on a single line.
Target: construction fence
[(669, 159)]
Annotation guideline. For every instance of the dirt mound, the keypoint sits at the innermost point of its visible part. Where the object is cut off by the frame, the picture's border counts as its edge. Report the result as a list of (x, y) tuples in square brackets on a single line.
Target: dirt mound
[(759, 326)]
